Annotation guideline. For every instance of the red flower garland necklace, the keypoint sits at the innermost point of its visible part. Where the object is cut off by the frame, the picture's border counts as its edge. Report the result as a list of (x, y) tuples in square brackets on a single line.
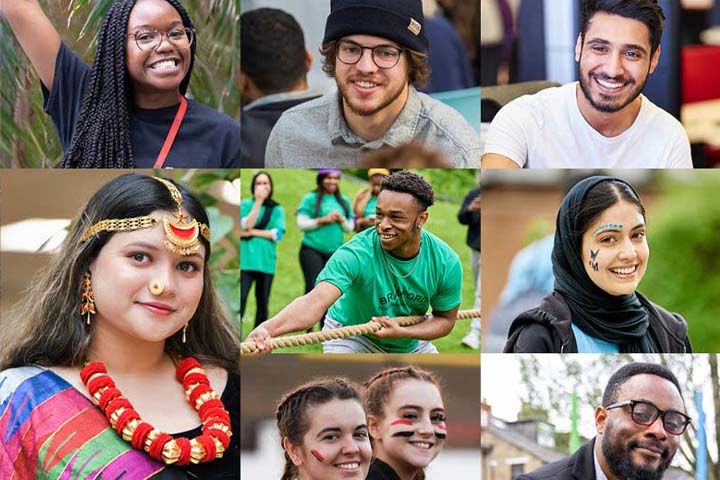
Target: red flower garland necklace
[(216, 432)]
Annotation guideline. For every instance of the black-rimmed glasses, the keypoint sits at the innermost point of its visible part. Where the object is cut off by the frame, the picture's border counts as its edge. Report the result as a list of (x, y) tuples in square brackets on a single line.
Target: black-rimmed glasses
[(150, 39), (384, 56), (645, 413)]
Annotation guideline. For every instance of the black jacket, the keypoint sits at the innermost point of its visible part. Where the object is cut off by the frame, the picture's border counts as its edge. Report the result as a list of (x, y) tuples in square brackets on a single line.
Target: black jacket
[(471, 219), (578, 466), (255, 126), (547, 329), (380, 470)]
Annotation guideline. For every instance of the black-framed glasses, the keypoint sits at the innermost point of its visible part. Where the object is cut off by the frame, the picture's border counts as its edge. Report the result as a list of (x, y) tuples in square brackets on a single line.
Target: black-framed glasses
[(150, 39), (645, 413), (384, 56)]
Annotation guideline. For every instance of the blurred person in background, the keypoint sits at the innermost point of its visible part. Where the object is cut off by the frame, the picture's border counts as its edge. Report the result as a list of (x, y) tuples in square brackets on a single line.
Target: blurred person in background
[(366, 199), (469, 215), (273, 76), (410, 155), (262, 225)]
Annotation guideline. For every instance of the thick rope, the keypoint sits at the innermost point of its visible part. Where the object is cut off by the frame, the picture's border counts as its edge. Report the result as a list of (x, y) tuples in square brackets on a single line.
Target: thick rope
[(342, 332)]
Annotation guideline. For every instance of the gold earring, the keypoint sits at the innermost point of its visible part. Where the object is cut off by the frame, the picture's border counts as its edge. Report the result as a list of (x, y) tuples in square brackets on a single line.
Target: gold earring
[(87, 298), (157, 287), (184, 338)]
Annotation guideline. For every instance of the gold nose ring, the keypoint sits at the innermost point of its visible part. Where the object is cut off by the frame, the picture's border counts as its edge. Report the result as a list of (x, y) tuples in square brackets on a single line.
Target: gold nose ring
[(156, 287)]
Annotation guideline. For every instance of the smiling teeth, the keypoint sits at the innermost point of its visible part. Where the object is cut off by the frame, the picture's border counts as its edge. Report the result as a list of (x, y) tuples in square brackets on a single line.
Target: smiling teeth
[(624, 270), (366, 84), (386, 236), (349, 466), (609, 84), (164, 65), (422, 445)]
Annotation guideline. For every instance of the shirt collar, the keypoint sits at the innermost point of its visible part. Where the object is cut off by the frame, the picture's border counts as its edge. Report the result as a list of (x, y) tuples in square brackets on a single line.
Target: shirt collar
[(402, 131), (599, 474)]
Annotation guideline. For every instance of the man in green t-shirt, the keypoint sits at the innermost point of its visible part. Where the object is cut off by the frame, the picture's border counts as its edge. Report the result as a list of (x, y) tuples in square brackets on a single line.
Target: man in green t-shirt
[(395, 269)]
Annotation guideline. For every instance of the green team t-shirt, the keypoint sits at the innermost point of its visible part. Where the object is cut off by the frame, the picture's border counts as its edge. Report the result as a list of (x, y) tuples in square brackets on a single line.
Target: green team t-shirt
[(369, 288), (326, 238), (260, 254), (370, 207)]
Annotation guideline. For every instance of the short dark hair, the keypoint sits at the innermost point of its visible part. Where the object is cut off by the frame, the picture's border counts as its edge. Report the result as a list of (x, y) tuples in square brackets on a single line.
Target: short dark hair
[(272, 49), (412, 183), (601, 197), (418, 63), (645, 11), (612, 389)]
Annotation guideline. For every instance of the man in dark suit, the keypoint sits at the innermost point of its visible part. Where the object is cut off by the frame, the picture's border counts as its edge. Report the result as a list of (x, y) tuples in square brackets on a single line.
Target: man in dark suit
[(639, 427)]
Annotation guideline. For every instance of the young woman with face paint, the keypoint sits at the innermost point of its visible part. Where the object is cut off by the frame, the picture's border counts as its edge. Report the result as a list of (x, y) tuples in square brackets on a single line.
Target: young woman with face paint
[(129, 109), (406, 418), (599, 258), (324, 432)]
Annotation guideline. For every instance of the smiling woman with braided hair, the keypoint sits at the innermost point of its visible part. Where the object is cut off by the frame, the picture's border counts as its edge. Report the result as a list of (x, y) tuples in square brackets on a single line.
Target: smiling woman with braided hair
[(128, 109)]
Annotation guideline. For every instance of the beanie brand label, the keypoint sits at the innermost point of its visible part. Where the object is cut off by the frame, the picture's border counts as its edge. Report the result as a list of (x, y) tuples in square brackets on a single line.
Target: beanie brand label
[(414, 26)]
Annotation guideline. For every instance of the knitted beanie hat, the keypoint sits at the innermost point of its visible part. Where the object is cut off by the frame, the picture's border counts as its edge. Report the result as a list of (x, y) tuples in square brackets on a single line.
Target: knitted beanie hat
[(398, 20)]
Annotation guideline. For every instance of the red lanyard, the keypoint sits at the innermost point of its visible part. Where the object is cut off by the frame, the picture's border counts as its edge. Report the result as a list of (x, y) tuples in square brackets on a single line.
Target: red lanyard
[(160, 161)]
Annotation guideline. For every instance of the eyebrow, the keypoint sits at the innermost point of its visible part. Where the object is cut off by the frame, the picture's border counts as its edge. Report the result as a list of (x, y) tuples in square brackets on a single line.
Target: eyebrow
[(626, 46), (337, 430), (172, 24)]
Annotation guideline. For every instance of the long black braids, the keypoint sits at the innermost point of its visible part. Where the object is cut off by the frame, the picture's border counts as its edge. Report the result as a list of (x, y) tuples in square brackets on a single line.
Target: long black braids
[(101, 138)]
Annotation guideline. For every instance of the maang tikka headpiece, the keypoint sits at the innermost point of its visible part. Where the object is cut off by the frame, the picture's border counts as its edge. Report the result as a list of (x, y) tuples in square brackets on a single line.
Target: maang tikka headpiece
[(181, 230)]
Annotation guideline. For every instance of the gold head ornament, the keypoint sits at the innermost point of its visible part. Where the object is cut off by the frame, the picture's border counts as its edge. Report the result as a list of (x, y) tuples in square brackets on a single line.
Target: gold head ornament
[(181, 230)]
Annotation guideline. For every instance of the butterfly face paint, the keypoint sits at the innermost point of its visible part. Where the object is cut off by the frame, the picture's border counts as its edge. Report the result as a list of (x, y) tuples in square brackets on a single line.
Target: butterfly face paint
[(614, 249)]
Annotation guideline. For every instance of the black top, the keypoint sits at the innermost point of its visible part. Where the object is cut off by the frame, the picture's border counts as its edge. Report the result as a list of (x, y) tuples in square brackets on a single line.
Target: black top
[(206, 139), (380, 470), (257, 123), (471, 219), (227, 467)]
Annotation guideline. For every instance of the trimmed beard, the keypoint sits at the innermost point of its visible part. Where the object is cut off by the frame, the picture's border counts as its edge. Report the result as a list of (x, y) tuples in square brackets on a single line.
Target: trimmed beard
[(619, 458), (392, 96), (605, 107)]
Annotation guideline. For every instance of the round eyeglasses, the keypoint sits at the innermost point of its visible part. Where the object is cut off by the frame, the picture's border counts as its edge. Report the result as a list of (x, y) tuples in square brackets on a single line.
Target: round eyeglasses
[(384, 56), (646, 413), (147, 40)]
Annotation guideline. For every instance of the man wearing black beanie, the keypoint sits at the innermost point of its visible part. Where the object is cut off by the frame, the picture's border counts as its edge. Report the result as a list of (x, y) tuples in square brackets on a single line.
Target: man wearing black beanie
[(375, 50)]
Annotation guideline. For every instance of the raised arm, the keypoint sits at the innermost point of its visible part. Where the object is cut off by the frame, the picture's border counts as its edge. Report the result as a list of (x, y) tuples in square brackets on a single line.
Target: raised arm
[(36, 34)]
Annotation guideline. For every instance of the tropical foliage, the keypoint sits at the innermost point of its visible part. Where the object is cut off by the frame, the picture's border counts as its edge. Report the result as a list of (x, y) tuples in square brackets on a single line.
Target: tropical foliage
[(28, 137)]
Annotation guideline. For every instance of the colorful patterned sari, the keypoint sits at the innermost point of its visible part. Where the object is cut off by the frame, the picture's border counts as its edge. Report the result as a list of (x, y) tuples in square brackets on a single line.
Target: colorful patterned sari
[(49, 430)]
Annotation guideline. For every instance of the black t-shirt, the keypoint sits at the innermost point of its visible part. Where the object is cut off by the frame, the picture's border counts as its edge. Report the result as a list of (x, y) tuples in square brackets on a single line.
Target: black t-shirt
[(227, 467), (380, 470), (206, 139)]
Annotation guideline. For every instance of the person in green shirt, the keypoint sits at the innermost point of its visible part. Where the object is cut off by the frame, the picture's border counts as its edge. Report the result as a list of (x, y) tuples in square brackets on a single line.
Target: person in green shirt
[(366, 199), (324, 214), (394, 269), (262, 222)]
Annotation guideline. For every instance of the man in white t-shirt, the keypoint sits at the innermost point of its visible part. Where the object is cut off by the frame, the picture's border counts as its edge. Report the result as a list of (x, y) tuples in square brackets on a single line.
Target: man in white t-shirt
[(603, 120)]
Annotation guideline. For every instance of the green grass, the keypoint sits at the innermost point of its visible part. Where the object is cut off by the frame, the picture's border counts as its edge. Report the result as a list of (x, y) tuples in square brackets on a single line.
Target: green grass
[(289, 188)]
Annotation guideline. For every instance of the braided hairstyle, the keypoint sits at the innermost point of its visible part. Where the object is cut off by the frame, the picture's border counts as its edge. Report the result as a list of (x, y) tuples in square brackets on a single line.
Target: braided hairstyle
[(291, 414), (101, 138), (379, 388)]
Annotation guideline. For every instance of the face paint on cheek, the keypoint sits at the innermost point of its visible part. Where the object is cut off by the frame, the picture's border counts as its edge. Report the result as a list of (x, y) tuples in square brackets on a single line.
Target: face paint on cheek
[(407, 423), (317, 455), (592, 262), (441, 430)]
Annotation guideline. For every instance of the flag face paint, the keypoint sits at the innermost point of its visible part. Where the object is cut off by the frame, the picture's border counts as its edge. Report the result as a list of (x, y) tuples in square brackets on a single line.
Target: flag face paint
[(402, 421), (441, 430), (317, 455), (405, 423)]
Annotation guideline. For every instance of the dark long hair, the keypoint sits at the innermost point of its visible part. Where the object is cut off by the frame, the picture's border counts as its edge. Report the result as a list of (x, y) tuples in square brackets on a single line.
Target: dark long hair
[(321, 192), (47, 328), (601, 197), (101, 138)]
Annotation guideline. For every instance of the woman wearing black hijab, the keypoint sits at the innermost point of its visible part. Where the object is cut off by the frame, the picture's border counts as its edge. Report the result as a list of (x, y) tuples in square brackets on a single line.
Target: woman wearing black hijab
[(599, 257)]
